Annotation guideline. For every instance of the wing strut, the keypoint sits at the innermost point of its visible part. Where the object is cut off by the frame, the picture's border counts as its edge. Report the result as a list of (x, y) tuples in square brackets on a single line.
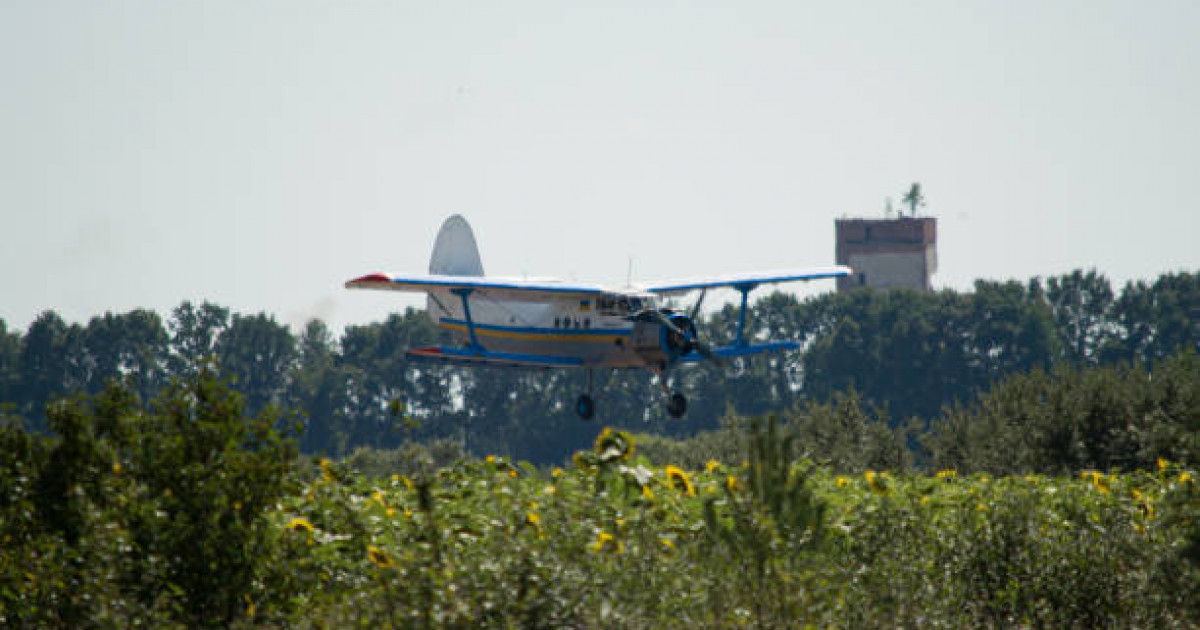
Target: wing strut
[(462, 294), (745, 289)]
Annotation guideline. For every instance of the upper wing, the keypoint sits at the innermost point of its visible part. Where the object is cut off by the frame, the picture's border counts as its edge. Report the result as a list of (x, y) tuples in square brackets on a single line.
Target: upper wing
[(500, 288), (676, 287)]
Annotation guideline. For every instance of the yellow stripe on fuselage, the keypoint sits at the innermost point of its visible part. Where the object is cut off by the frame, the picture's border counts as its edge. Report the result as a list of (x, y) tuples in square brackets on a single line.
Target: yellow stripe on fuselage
[(529, 336)]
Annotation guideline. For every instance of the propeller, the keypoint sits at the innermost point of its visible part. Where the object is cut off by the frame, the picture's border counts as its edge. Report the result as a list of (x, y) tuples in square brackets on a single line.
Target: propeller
[(685, 339)]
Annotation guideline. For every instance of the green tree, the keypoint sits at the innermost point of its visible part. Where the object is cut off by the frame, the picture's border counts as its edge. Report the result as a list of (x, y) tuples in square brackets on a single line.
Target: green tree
[(258, 354), (1082, 307), (127, 346), (51, 364), (194, 334), (318, 389), (10, 355), (1157, 319), (914, 198)]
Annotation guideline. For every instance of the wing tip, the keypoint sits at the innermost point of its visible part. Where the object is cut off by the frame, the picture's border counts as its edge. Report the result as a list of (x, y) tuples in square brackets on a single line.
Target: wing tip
[(368, 280)]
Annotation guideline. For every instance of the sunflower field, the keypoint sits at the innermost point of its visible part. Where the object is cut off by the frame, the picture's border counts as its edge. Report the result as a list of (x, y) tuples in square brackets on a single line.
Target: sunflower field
[(194, 517), (613, 542)]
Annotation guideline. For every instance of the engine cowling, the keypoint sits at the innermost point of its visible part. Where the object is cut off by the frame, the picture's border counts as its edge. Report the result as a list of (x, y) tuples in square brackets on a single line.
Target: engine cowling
[(661, 337)]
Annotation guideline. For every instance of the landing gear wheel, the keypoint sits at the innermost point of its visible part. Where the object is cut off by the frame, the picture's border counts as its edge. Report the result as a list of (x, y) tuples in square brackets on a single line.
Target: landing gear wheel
[(585, 407), (677, 406)]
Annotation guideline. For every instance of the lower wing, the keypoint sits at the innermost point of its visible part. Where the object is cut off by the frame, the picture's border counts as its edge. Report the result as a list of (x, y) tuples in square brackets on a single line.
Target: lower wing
[(479, 356), (742, 350)]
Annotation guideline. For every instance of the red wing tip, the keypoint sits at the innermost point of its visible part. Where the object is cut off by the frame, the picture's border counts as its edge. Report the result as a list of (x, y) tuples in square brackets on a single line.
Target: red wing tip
[(374, 277), (429, 350)]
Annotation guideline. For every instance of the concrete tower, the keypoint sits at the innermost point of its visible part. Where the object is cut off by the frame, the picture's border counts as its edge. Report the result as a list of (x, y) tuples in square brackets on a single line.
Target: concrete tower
[(887, 253)]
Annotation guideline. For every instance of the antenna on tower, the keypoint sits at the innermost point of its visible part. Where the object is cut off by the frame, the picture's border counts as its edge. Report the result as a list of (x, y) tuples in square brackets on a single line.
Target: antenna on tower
[(629, 274)]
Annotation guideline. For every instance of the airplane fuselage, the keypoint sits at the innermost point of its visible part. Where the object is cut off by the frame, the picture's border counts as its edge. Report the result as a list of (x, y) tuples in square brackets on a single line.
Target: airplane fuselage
[(596, 331)]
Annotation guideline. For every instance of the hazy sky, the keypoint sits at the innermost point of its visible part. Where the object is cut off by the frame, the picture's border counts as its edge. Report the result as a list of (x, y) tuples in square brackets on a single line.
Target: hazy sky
[(259, 154)]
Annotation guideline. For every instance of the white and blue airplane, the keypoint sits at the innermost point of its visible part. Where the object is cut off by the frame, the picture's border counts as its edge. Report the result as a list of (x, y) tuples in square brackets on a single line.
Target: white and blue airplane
[(548, 323)]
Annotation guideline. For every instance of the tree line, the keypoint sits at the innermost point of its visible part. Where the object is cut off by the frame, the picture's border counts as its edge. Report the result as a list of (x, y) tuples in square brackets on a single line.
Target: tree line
[(910, 355)]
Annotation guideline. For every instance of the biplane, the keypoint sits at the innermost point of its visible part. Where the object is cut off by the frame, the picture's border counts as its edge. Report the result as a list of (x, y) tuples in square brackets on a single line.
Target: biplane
[(550, 323)]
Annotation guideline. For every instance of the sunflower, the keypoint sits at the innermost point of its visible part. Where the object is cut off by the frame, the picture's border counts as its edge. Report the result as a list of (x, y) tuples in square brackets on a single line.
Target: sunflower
[(876, 482), (379, 557), (1099, 481), (731, 483), (841, 482), (711, 466), (532, 518), (327, 469), (300, 524), (679, 480), (606, 542), (613, 445), (947, 474)]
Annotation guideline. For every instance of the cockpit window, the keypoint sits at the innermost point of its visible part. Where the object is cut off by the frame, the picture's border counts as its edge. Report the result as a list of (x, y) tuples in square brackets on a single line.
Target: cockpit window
[(620, 305)]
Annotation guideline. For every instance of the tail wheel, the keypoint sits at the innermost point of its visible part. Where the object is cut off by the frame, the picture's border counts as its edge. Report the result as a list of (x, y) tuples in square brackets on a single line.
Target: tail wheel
[(585, 407), (677, 406)]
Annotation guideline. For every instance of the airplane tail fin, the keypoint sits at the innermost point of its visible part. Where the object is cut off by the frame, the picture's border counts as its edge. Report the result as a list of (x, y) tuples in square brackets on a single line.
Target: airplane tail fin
[(454, 254), (454, 251)]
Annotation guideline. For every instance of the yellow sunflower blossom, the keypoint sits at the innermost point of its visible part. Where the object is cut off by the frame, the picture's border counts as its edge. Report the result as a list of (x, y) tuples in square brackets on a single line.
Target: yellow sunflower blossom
[(512, 474), (647, 493), (667, 543), (300, 524), (532, 518), (1144, 503), (379, 557), (1099, 482), (731, 483), (549, 489), (1185, 477), (377, 496), (556, 472), (327, 469), (711, 466), (491, 459), (613, 445), (841, 481), (606, 542), (876, 482), (116, 468), (947, 474), (1162, 464), (680, 480)]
